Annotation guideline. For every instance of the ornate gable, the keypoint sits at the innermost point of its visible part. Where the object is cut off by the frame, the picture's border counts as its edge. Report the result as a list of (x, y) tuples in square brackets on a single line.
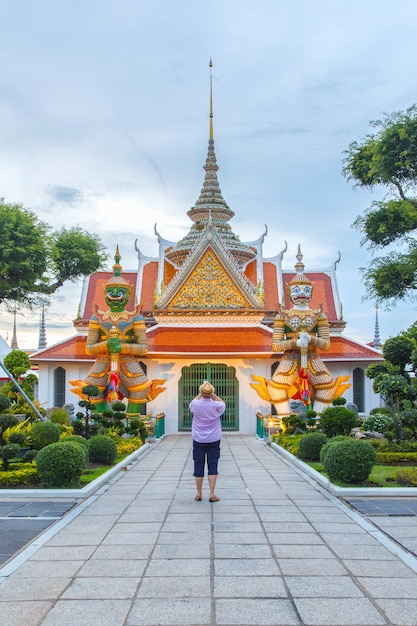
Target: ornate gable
[(210, 278), (209, 286)]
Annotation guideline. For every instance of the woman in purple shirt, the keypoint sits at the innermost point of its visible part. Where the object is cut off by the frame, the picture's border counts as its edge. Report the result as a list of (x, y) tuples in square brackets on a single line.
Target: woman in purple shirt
[(206, 409)]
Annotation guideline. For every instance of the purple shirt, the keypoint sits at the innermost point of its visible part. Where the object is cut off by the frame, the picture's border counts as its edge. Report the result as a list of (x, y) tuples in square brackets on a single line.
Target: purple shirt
[(206, 425)]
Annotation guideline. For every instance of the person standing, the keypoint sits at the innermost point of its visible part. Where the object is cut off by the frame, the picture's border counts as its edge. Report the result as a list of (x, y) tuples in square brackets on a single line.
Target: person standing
[(206, 409)]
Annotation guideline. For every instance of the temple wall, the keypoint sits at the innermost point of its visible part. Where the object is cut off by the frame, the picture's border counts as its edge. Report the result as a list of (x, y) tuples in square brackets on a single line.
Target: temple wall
[(171, 370), (371, 399)]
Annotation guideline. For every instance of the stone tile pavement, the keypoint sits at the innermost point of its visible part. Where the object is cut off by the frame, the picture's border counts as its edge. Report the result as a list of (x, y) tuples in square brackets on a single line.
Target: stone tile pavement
[(21, 521), (276, 550)]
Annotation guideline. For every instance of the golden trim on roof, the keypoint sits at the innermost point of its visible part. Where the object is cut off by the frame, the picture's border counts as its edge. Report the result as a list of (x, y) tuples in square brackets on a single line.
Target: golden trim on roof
[(209, 286)]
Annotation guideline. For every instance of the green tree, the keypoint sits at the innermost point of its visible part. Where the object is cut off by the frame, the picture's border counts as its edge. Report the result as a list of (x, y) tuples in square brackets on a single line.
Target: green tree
[(18, 363), (387, 159), (35, 260), (398, 351)]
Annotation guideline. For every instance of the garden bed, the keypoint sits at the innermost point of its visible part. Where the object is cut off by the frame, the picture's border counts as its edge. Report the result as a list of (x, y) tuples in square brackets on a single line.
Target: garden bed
[(364, 489), (84, 490)]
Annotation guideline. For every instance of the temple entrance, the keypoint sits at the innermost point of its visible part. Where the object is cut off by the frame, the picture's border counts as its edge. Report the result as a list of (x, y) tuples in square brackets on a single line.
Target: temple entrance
[(227, 387)]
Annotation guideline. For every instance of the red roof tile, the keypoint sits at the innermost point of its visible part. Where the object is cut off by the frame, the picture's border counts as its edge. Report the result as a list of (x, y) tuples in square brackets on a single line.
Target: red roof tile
[(72, 349), (270, 286), (344, 349), (95, 293), (172, 340)]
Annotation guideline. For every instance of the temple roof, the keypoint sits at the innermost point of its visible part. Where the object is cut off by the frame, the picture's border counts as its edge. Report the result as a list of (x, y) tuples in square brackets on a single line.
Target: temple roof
[(210, 209), (168, 341)]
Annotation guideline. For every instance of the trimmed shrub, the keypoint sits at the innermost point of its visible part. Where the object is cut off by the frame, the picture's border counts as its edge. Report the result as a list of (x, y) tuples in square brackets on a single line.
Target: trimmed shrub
[(339, 401), (102, 449), (10, 451), (77, 439), (349, 461), (60, 465), (44, 433), (29, 455), (4, 402), (329, 444), (381, 409), (396, 458), (338, 420), (310, 446), (19, 438), (293, 423)]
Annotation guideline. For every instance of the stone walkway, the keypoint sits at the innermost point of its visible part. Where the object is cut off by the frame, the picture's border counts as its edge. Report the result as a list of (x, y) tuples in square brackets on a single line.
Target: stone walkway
[(275, 550)]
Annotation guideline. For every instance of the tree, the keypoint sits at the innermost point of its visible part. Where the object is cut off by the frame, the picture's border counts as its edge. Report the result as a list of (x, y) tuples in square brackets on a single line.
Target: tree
[(35, 260), (388, 159), (395, 380)]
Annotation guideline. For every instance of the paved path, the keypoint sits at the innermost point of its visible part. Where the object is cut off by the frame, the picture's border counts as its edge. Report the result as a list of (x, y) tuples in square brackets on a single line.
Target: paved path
[(275, 550)]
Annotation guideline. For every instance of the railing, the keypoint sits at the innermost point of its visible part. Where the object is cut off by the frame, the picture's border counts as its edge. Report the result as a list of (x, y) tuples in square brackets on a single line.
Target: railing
[(160, 425), (260, 429), (267, 425)]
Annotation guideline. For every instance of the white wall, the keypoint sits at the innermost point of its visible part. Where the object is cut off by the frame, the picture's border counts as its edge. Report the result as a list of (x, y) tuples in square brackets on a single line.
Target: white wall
[(167, 402)]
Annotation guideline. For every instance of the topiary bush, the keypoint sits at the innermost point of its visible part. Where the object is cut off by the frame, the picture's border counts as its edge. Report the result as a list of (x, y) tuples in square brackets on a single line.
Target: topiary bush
[(44, 433), (4, 402), (338, 420), (349, 461), (381, 409), (102, 449), (329, 444), (339, 401), (77, 439), (310, 446), (28, 455), (60, 465), (293, 423), (10, 451), (19, 438)]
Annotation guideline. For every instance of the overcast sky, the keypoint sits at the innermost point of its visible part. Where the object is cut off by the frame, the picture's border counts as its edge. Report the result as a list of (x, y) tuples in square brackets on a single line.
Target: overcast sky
[(104, 123)]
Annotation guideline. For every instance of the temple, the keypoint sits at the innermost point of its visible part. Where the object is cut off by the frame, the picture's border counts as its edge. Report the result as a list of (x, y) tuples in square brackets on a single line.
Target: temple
[(209, 302)]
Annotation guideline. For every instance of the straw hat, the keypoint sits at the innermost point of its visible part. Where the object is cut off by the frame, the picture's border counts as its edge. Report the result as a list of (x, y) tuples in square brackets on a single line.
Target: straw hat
[(206, 389)]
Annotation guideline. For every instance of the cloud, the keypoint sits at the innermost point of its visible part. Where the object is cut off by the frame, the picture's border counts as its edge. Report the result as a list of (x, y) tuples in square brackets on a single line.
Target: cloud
[(64, 195)]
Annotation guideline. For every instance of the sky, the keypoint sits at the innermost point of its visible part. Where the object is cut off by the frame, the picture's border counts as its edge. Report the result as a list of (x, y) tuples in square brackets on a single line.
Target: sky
[(104, 121)]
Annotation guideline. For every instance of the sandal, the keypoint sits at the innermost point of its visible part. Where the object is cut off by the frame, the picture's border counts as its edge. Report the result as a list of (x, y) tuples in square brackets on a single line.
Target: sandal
[(214, 499), (198, 498)]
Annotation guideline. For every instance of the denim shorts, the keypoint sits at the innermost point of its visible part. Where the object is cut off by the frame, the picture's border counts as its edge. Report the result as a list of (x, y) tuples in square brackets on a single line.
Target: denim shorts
[(203, 452)]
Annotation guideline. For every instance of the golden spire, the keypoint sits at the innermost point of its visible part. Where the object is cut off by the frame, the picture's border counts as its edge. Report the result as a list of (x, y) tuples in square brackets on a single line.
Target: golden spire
[(211, 100)]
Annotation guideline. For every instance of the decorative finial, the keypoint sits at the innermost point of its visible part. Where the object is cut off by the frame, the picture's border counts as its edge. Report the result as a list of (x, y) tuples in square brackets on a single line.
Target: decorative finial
[(117, 278), (42, 329), (117, 268), (211, 100), (377, 339), (299, 266), (300, 277), (13, 344)]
